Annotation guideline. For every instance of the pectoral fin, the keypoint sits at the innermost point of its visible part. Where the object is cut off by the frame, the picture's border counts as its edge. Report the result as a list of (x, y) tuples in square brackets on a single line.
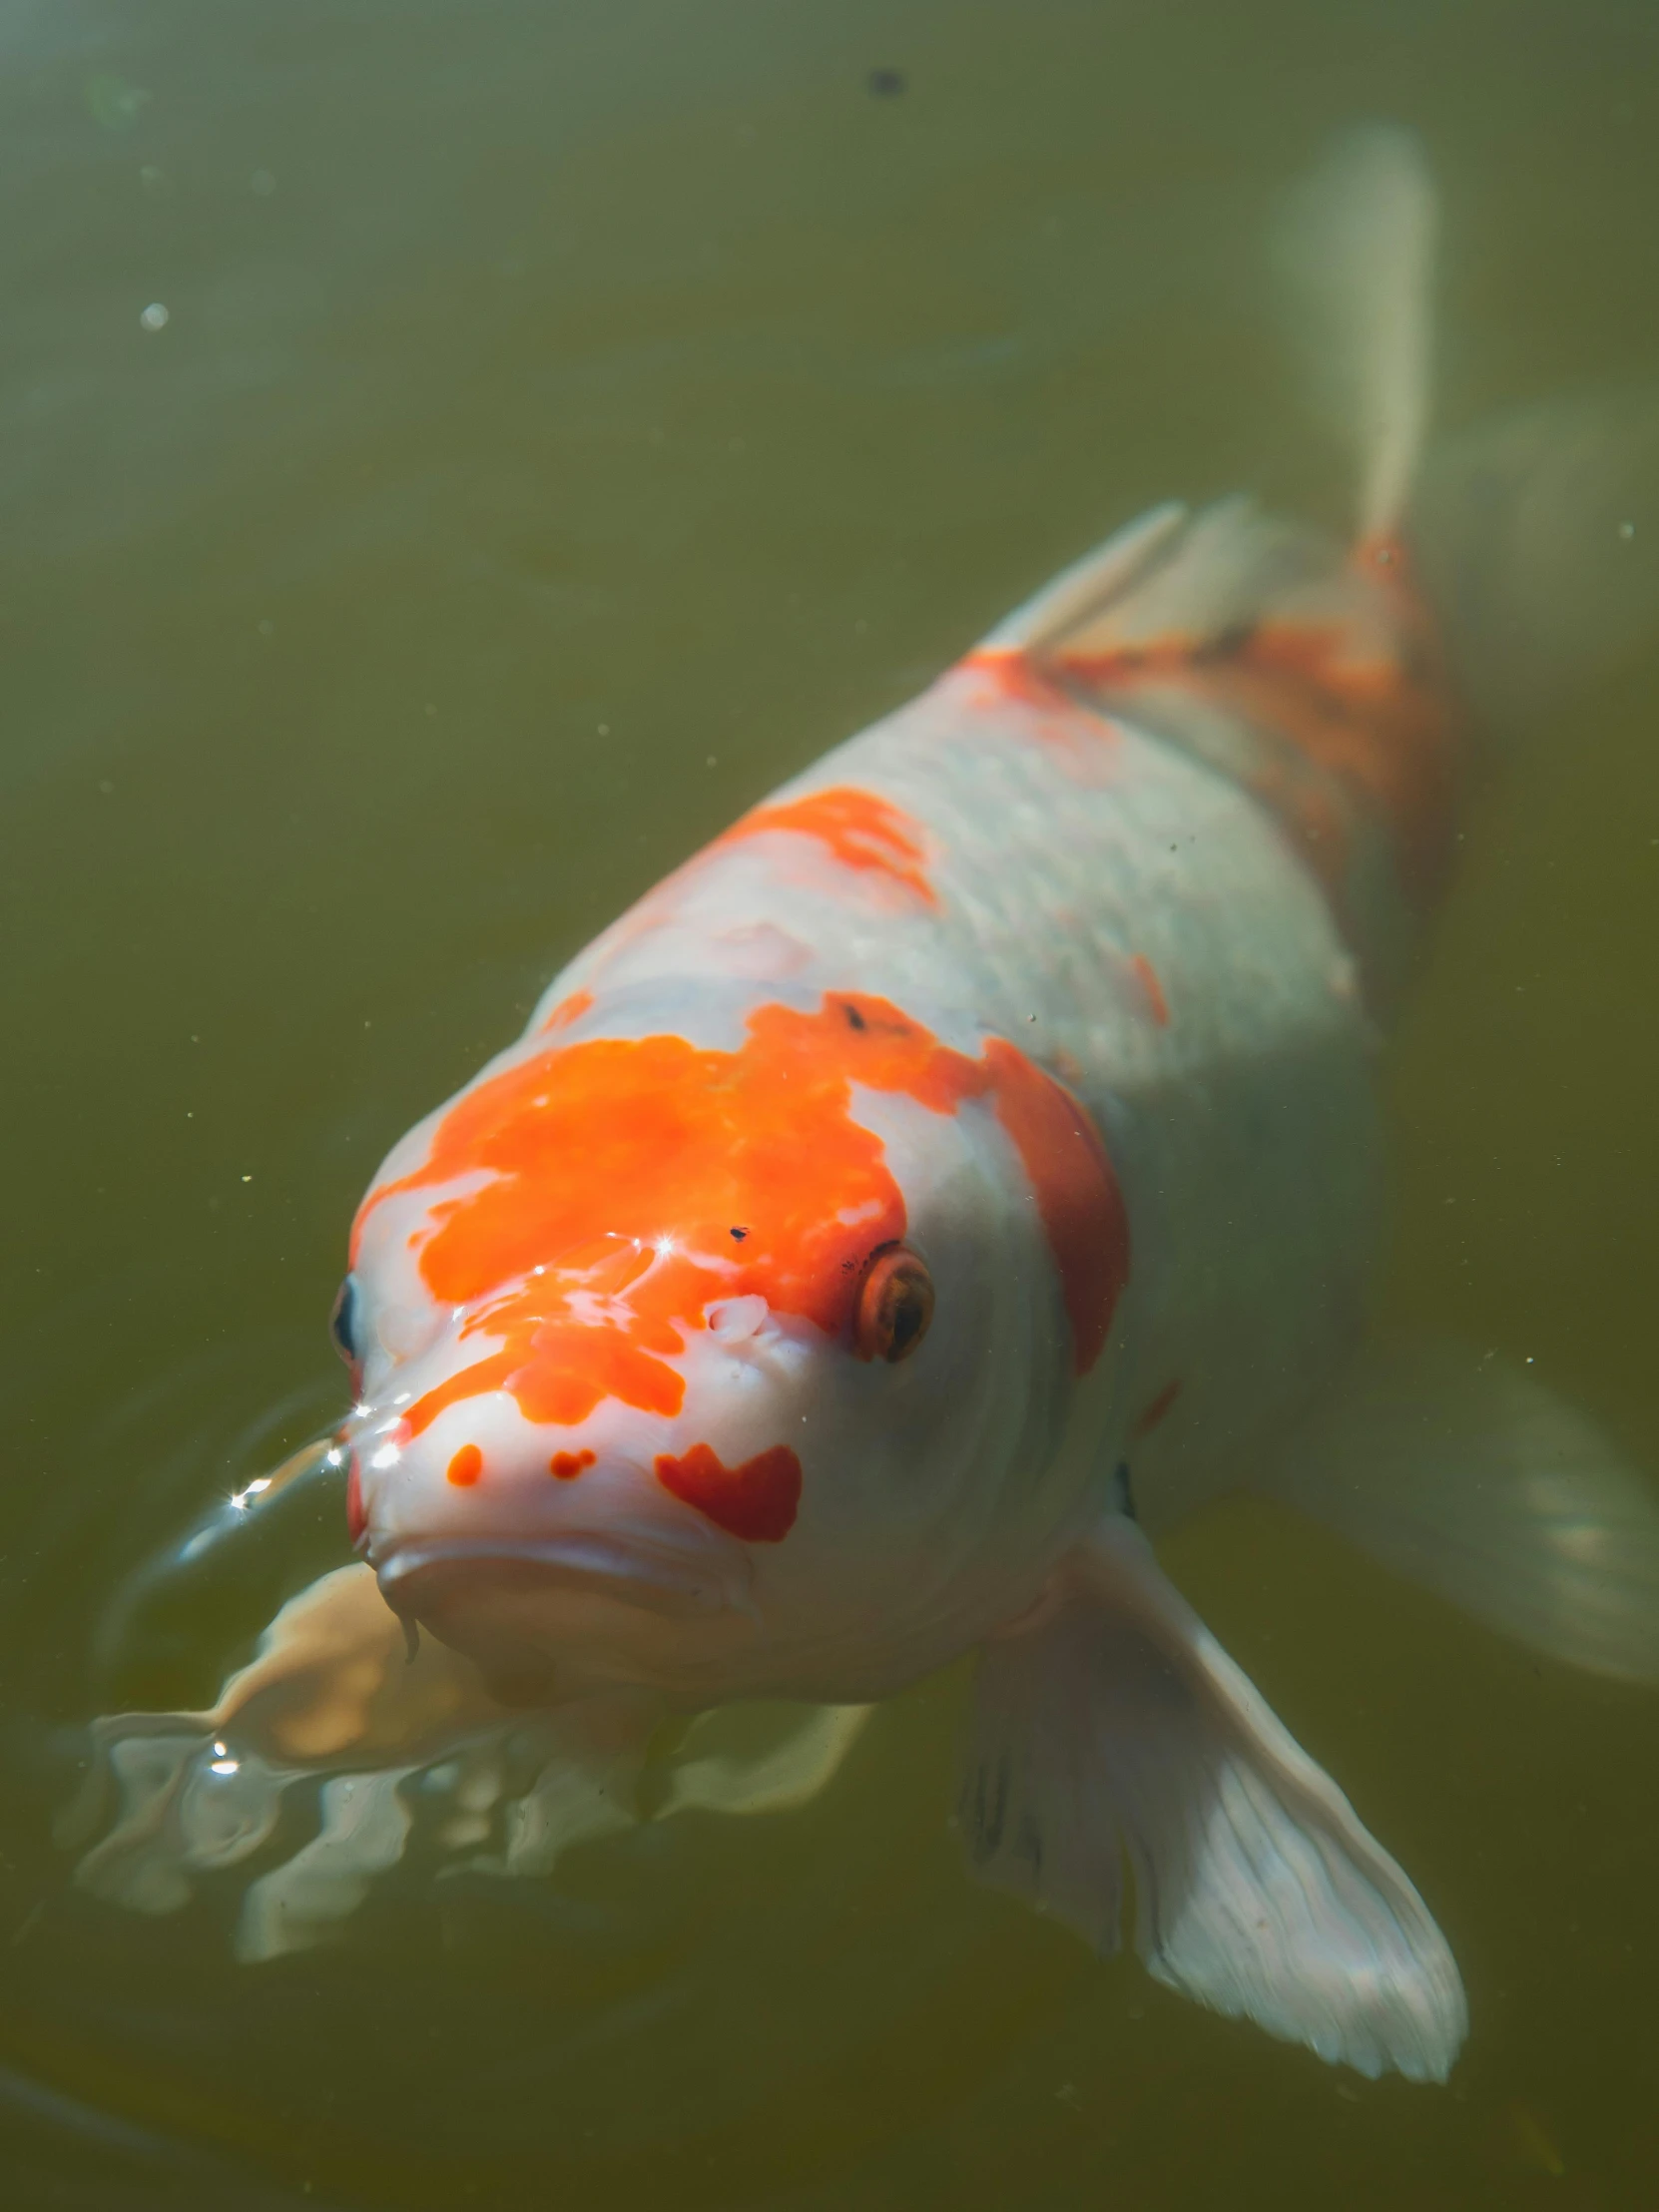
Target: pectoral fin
[(1117, 1735), (378, 1746), (1468, 1477)]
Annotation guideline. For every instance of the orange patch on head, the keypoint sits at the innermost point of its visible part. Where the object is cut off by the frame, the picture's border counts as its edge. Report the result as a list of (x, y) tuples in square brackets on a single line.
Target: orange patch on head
[(861, 829), (757, 1501), (616, 1168), (466, 1466), (1078, 1199), (568, 1465)]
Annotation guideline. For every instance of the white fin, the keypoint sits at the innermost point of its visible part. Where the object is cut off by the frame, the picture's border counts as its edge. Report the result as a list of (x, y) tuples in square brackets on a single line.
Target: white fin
[(1478, 1483), (1089, 584), (365, 1823), (1118, 1731), (1357, 248), (331, 1691), (332, 1709), (762, 1758), (1220, 574), (1536, 539)]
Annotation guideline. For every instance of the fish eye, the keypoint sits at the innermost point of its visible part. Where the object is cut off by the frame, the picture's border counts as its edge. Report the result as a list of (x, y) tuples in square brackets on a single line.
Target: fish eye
[(342, 1322), (894, 1307)]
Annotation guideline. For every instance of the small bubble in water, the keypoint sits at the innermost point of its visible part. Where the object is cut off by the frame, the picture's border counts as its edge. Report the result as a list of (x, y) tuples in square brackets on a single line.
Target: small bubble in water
[(263, 183), (155, 317), (1627, 529)]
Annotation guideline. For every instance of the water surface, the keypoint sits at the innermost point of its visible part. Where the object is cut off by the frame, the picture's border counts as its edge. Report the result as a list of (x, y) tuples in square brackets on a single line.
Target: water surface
[(452, 458)]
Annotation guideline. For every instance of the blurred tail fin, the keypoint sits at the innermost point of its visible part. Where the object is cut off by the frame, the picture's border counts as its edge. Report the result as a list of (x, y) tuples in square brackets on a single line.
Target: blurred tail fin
[(1535, 538), (1355, 248)]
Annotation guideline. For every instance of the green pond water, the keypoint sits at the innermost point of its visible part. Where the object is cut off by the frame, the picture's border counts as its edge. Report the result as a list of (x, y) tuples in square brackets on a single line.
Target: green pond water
[(570, 416)]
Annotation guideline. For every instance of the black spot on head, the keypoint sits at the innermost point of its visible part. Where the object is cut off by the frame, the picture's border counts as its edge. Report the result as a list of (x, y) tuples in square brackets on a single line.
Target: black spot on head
[(740, 1234), (855, 1017)]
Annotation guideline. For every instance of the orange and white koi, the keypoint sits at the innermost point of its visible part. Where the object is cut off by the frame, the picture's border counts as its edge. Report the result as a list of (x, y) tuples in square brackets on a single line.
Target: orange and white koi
[(970, 1146)]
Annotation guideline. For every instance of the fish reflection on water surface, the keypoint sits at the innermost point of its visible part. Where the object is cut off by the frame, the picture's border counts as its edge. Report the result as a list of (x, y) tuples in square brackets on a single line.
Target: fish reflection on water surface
[(959, 1169)]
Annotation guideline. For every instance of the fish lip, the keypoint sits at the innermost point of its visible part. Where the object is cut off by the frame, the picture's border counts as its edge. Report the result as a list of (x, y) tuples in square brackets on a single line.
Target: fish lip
[(655, 1577)]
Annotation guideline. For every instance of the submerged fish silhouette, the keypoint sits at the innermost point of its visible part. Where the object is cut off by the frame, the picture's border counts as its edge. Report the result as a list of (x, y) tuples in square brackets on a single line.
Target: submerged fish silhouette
[(972, 1145)]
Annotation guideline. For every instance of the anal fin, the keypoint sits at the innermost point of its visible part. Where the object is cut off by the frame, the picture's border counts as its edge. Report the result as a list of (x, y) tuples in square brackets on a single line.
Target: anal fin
[(1117, 1737)]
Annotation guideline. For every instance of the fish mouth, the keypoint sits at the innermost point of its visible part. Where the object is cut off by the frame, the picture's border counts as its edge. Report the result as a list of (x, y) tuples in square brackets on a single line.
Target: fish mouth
[(663, 1577), (536, 1615)]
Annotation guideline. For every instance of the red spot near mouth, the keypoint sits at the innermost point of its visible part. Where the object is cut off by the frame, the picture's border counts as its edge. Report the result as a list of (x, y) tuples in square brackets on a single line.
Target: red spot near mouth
[(757, 1501), (466, 1466), (357, 1520), (567, 1465), (1147, 977), (862, 831)]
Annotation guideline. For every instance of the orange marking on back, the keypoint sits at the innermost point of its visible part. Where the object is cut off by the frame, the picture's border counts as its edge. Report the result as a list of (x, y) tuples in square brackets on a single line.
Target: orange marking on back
[(617, 1167), (1375, 727), (757, 1501), (1080, 737), (568, 1465), (1156, 1411), (1013, 674), (861, 829), (567, 1010), (1146, 977), (466, 1466)]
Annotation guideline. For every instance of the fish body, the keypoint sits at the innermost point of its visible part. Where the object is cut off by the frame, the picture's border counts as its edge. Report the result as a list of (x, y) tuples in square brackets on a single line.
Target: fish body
[(957, 1171), (1008, 979)]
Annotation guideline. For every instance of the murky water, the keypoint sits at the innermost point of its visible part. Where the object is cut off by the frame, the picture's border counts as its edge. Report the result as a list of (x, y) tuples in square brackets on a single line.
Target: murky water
[(453, 457)]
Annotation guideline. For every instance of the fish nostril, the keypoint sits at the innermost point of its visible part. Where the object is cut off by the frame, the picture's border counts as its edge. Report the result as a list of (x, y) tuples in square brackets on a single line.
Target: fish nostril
[(736, 1319)]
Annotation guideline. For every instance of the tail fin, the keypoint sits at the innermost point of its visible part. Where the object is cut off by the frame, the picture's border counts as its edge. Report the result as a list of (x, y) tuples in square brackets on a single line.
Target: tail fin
[(1535, 538), (1357, 250)]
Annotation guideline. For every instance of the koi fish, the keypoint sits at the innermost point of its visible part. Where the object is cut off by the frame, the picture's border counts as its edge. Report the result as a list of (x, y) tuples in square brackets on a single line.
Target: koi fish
[(955, 1175)]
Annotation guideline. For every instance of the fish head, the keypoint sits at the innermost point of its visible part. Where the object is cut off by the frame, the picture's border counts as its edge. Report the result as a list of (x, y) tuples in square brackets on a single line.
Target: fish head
[(722, 1372)]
